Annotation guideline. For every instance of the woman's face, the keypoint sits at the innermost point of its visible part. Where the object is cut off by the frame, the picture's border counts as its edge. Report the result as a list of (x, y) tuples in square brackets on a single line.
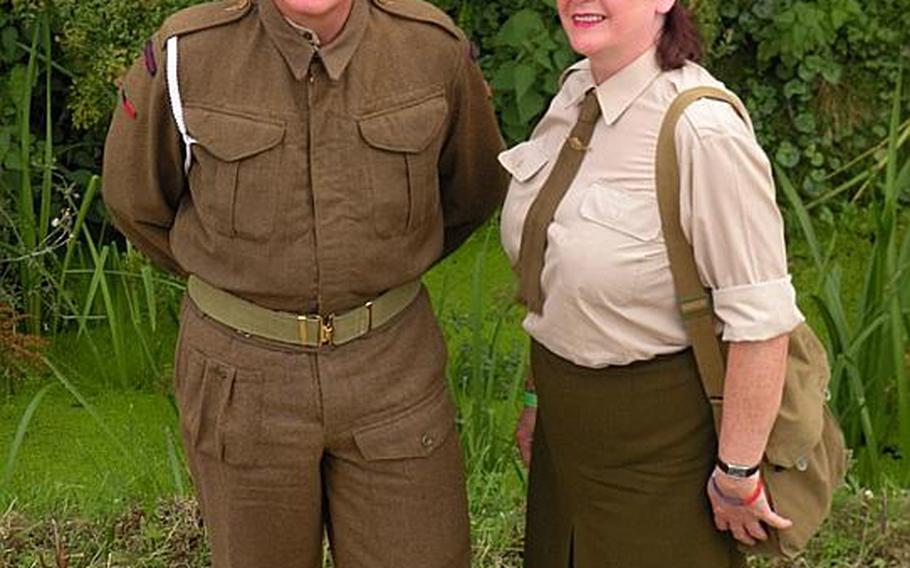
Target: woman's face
[(599, 27)]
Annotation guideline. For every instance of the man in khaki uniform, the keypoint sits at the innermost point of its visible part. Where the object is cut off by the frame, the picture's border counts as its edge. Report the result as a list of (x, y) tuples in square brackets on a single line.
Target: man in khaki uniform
[(304, 177)]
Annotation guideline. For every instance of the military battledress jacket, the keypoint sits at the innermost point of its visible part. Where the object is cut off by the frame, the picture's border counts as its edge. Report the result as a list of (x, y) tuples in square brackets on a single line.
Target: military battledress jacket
[(326, 175)]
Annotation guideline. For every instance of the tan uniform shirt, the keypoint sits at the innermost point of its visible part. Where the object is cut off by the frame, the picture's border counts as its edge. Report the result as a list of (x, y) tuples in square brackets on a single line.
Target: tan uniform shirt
[(319, 177), (609, 296)]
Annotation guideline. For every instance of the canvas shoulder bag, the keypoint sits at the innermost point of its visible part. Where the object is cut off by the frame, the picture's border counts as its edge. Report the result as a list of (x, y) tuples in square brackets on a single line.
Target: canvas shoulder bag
[(805, 459)]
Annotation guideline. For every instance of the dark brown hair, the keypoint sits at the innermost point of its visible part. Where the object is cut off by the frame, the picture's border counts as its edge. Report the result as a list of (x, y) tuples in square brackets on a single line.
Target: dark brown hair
[(679, 41)]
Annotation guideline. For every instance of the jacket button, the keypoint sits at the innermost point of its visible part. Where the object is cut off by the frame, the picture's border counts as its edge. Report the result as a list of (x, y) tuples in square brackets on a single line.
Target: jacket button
[(802, 464), (427, 440)]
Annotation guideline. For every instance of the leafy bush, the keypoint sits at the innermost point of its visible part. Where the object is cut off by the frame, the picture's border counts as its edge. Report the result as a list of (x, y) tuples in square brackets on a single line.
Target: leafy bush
[(817, 76)]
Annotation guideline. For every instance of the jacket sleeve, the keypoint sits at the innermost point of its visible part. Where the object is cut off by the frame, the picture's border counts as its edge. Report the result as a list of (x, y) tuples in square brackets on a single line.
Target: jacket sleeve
[(143, 179), (472, 183)]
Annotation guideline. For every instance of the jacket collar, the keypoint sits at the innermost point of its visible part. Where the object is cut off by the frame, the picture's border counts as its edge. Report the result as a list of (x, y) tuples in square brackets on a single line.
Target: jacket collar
[(298, 52)]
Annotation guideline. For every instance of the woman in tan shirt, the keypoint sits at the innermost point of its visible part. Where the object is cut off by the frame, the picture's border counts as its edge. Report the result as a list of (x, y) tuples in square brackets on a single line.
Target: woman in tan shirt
[(625, 468)]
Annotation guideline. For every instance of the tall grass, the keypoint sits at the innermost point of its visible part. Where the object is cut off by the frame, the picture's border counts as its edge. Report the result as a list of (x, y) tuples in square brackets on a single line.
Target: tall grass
[(92, 283), (868, 346), (486, 371)]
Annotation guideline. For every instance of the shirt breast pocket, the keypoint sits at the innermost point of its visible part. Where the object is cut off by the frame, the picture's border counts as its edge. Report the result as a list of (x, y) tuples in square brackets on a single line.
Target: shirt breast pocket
[(402, 153), (625, 224), (630, 213), (234, 177)]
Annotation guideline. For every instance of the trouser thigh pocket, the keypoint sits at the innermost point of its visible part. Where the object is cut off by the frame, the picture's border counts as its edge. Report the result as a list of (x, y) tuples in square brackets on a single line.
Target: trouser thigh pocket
[(219, 403), (413, 433)]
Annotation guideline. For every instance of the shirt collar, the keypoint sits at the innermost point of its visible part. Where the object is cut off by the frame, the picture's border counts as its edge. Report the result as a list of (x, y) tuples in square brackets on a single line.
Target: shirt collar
[(298, 52), (617, 93)]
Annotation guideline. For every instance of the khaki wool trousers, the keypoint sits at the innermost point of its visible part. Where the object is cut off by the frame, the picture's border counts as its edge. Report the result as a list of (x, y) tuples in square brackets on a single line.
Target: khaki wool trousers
[(359, 441)]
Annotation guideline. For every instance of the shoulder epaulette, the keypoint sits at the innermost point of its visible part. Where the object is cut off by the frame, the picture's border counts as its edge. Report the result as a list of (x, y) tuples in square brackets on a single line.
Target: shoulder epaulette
[(422, 12), (204, 16)]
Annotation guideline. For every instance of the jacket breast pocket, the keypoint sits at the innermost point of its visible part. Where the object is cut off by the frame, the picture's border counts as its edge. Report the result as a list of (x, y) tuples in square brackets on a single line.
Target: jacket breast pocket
[(234, 179), (402, 153)]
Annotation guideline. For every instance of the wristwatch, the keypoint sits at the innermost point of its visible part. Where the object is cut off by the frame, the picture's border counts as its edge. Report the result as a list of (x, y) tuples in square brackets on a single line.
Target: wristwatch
[(736, 470)]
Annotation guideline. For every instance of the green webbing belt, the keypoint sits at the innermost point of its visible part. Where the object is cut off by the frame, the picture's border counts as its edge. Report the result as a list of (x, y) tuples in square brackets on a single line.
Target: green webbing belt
[(693, 299), (311, 330)]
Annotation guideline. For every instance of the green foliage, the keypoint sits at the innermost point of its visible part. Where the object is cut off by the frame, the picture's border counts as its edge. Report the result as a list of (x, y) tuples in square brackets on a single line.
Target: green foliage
[(99, 39), (816, 76), (529, 53), (868, 340)]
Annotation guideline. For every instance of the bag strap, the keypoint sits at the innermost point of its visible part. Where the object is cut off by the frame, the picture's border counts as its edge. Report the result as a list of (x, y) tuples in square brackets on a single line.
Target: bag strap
[(693, 299)]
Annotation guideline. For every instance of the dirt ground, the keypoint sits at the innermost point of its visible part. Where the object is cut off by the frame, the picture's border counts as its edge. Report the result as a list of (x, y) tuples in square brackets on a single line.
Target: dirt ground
[(865, 531)]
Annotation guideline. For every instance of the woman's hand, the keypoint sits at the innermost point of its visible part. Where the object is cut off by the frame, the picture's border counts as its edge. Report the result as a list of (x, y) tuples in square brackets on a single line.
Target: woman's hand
[(741, 506), (524, 433)]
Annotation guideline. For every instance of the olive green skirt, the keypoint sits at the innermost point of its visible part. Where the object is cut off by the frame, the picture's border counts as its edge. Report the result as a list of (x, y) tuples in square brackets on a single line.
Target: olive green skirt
[(620, 461)]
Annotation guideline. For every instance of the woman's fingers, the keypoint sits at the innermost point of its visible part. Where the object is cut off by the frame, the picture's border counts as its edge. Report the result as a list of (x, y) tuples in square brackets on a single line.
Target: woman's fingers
[(774, 520), (756, 531), (745, 522), (740, 534), (524, 433), (524, 447)]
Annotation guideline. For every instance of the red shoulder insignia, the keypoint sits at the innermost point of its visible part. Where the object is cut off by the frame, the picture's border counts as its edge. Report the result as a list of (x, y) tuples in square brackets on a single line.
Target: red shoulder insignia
[(128, 105)]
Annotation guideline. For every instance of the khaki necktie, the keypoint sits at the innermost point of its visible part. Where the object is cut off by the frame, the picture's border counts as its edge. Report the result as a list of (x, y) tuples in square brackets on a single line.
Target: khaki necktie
[(540, 215)]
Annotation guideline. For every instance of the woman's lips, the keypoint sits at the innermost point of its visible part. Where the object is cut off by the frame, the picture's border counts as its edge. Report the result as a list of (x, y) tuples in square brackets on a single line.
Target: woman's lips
[(587, 20)]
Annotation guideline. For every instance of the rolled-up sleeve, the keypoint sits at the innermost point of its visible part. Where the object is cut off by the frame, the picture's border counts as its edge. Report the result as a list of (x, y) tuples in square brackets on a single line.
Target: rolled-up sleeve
[(732, 220)]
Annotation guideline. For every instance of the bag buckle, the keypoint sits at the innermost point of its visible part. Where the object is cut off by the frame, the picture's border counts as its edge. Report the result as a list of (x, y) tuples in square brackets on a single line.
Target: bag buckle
[(693, 307), (324, 329)]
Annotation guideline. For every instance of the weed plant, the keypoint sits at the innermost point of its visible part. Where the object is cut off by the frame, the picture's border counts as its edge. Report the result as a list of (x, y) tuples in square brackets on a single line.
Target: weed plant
[(486, 374), (868, 344)]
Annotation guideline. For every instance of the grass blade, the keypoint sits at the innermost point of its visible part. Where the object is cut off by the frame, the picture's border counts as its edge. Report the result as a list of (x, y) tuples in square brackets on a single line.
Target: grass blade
[(150, 301), (93, 412), (805, 223), (176, 465), (20, 435)]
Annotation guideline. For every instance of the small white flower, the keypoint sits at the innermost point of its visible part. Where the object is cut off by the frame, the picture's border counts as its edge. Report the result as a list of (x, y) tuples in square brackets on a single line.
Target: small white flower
[(55, 222), (868, 494)]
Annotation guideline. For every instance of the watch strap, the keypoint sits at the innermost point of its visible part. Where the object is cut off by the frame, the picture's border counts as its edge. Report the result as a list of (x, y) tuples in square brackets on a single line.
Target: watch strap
[(737, 470)]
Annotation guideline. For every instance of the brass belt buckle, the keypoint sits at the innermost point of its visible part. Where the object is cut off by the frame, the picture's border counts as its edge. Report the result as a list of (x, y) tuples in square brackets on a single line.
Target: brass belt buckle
[(326, 326), (369, 308)]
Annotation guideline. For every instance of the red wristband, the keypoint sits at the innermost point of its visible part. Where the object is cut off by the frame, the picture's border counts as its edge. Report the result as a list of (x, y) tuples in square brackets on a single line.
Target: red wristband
[(755, 494), (748, 502)]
